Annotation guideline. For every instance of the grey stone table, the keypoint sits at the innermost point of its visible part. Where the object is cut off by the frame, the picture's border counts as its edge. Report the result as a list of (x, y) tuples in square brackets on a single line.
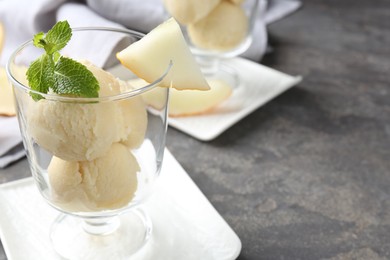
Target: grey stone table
[(306, 176)]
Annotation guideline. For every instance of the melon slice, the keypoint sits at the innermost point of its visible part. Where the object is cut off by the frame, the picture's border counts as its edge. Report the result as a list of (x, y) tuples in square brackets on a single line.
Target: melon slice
[(7, 105), (149, 57), (187, 102), (237, 2)]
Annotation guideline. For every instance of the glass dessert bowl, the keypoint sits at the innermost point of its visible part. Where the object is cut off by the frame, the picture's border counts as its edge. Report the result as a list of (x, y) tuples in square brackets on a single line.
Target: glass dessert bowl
[(216, 30), (96, 160)]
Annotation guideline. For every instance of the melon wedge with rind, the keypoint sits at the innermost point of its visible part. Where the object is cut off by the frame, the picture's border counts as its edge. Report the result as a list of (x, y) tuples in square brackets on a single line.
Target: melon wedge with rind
[(194, 102), (187, 102), (7, 103), (149, 57)]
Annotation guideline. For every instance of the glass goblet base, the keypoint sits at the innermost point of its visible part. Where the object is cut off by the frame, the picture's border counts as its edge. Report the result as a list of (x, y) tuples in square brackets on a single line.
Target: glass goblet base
[(117, 237), (229, 75), (214, 69)]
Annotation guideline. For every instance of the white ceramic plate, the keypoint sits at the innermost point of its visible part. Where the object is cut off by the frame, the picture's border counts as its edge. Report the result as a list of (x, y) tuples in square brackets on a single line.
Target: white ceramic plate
[(186, 226), (260, 85)]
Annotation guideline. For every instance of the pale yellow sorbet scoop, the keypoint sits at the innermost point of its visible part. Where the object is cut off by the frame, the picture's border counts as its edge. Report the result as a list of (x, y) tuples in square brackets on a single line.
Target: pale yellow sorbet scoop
[(223, 28), (108, 182), (190, 11), (85, 131)]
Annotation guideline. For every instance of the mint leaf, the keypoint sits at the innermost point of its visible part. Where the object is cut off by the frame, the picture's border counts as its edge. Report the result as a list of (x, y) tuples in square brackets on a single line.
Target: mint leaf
[(40, 75), (73, 78), (38, 40), (56, 56), (57, 37), (62, 75)]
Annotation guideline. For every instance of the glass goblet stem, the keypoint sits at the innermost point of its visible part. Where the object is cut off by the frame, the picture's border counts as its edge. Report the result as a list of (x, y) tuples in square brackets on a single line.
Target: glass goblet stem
[(101, 226), (209, 65)]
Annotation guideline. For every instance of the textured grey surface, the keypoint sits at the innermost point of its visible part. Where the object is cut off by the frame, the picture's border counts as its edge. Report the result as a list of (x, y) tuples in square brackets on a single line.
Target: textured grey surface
[(307, 176)]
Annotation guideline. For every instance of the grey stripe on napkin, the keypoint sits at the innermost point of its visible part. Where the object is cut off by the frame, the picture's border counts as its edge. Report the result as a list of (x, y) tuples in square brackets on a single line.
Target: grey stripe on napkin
[(12, 155)]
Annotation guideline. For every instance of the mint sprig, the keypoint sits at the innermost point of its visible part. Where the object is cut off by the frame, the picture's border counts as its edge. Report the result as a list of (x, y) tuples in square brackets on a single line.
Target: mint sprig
[(62, 75)]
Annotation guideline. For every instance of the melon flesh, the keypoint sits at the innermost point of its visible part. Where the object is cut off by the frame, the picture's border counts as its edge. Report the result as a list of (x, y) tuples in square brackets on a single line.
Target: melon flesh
[(187, 102), (149, 58), (7, 105)]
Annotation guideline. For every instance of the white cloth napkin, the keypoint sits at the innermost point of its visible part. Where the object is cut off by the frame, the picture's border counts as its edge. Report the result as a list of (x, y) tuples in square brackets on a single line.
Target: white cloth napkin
[(24, 18), (11, 148)]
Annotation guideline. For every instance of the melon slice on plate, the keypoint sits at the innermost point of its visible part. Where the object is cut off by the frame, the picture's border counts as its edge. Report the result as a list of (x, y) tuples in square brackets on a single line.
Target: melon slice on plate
[(187, 102), (237, 2), (7, 105), (149, 57), (190, 11)]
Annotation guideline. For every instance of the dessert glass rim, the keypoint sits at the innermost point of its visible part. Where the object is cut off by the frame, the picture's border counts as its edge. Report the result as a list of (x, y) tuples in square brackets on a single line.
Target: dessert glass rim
[(56, 97)]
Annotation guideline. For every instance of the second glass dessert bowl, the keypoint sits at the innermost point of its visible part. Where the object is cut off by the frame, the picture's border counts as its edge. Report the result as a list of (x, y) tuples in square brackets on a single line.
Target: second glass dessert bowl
[(95, 160), (217, 30)]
